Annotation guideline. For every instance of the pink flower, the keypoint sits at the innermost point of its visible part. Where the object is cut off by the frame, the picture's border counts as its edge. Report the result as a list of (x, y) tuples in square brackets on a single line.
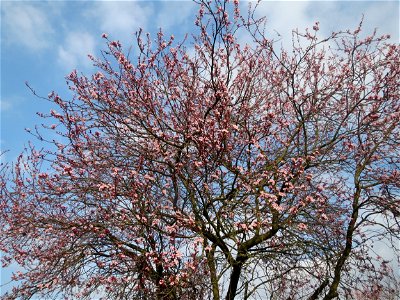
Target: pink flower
[(302, 226), (104, 35), (115, 44), (43, 175)]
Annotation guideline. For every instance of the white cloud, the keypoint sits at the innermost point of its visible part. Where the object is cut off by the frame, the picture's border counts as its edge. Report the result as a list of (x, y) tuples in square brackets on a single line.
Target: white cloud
[(11, 103), (284, 16), (385, 17), (342, 15), (73, 54), (167, 16), (26, 25), (5, 105), (121, 19)]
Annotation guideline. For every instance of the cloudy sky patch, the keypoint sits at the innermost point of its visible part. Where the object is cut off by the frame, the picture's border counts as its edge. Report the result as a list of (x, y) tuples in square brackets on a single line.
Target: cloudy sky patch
[(75, 49), (120, 19), (25, 25)]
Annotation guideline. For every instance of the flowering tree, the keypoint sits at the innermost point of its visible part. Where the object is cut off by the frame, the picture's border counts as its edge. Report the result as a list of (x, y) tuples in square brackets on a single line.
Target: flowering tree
[(230, 170)]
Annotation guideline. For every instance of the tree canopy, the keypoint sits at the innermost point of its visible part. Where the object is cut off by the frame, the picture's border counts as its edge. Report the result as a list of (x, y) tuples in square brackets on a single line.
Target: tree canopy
[(214, 169)]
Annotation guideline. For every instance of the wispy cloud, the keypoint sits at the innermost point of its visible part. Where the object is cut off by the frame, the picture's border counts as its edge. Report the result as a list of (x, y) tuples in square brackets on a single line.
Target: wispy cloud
[(73, 53), (120, 19), (11, 104), (185, 17), (390, 24), (342, 15), (4, 105), (284, 16), (27, 25)]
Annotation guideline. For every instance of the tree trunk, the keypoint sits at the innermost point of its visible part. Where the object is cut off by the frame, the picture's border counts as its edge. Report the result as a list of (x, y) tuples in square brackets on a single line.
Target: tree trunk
[(233, 283), (235, 275)]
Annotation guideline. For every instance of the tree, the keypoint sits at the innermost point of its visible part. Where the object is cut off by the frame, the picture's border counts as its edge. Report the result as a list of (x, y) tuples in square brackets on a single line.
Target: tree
[(228, 171)]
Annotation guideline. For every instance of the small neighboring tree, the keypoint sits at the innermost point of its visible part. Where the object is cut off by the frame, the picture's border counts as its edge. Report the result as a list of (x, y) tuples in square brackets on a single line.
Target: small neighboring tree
[(231, 170)]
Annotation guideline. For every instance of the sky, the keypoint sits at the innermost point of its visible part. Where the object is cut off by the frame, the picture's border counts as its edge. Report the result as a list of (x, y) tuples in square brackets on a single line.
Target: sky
[(43, 41)]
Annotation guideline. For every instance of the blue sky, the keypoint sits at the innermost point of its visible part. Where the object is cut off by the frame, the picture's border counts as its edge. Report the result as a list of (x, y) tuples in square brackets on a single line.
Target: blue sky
[(43, 41)]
